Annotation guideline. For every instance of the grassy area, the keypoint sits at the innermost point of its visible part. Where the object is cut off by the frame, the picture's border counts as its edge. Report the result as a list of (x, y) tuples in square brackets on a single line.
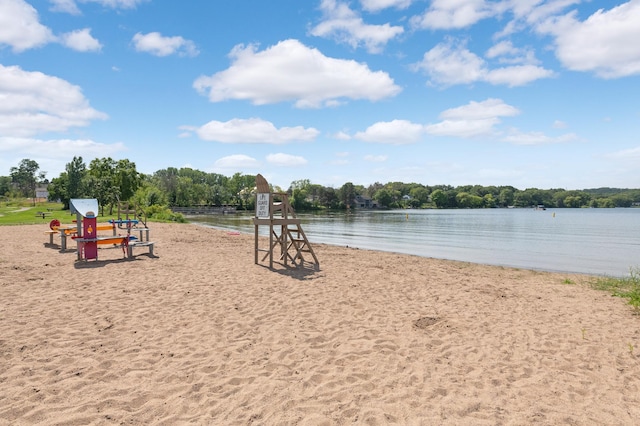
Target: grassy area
[(626, 287), (25, 213)]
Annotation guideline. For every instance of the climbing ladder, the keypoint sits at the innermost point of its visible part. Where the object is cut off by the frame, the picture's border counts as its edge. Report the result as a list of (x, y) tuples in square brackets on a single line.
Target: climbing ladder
[(285, 231)]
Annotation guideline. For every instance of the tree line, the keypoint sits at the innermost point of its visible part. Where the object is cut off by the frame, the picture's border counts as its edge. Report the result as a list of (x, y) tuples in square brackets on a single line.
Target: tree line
[(110, 181)]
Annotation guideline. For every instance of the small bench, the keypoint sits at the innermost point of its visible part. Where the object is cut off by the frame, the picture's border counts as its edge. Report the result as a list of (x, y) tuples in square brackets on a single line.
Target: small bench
[(51, 233), (144, 233), (43, 214), (139, 244)]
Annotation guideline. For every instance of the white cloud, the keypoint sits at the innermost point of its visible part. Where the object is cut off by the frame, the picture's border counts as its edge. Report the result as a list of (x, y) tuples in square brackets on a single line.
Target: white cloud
[(490, 108), (81, 40), (396, 132), (66, 6), (502, 48), (117, 4), (450, 14), (606, 43), (290, 71), (71, 6), (473, 119), (35, 103), (517, 137), (286, 160), (378, 5), (159, 45), (449, 64), (59, 148), (20, 27), (52, 154), (463, 128), (346, 26), (342, 136), (236, 162), (516, 75), (252, 130)]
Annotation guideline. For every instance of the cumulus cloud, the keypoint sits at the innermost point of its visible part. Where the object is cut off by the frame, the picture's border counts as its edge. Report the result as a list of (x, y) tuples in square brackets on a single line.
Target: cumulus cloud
[(473, 119), (35, 103), (291, 71), (396, 132), (81, 40), (252, 130), (159, 45), (378, 5), (286, 160), (20, 27), (66, 6), (450, 63), (605, 43), (451, 14), (346, 26)]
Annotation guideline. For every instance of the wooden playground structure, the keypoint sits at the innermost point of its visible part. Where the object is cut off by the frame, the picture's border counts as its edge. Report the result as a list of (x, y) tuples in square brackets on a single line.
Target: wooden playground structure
[(285, 232)]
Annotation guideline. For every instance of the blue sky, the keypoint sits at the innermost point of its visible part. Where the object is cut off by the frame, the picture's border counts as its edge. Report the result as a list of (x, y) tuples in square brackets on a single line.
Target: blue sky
[(529, 93)]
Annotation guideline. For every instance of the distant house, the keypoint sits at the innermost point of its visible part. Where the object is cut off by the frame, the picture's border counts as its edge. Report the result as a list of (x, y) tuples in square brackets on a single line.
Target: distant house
[(363, 202)]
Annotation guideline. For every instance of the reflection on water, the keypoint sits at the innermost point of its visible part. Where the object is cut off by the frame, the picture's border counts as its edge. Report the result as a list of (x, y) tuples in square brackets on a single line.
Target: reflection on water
[(592, 241)]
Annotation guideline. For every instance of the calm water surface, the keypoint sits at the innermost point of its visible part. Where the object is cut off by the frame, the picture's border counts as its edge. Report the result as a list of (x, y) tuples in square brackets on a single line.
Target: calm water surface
[(591, 241)]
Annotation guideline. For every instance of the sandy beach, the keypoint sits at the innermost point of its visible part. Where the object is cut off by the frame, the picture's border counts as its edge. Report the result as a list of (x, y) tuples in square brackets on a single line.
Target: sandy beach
[(198, 334)]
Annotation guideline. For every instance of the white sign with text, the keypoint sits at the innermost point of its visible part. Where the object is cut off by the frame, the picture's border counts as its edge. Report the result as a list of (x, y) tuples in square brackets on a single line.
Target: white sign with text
[(262, 206)]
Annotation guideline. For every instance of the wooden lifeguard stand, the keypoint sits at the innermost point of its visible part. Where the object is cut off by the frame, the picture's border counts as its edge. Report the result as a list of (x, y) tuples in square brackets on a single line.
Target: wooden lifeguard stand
[(273, 210)]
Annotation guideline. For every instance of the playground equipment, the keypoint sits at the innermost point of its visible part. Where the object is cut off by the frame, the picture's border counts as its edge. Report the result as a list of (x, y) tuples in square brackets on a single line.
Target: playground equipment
[(55, 227), (273, 210), (133, 218), (86, 236)]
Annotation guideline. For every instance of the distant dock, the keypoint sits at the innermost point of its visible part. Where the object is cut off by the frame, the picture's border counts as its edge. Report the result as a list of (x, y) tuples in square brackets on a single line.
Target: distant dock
[(203, 210)]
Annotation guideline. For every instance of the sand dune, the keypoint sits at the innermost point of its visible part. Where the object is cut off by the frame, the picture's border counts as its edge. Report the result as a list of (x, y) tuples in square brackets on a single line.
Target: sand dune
[(201, 335)]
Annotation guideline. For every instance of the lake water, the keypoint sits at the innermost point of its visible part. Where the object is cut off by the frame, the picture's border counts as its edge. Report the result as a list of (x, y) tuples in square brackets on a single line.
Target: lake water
[(590, 241)]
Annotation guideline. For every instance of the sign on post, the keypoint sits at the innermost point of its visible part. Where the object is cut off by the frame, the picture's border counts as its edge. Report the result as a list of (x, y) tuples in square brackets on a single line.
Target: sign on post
[(262, 206)]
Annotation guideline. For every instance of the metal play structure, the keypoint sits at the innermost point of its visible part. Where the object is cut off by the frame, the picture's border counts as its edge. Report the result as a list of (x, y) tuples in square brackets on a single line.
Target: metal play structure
[(87, 239), (273, 210), (86, 234)]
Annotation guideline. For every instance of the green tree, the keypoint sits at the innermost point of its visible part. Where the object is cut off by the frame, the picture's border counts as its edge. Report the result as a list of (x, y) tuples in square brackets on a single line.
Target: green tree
[(439, 198), (167, 181), (506, 197), (469, 201), (346, 195), (385, 197), (489, 201), (420, 194), (5, 185), (26, 176), (76, 172), (241, 188), (58, 189), (101, 182), (127, 178)]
